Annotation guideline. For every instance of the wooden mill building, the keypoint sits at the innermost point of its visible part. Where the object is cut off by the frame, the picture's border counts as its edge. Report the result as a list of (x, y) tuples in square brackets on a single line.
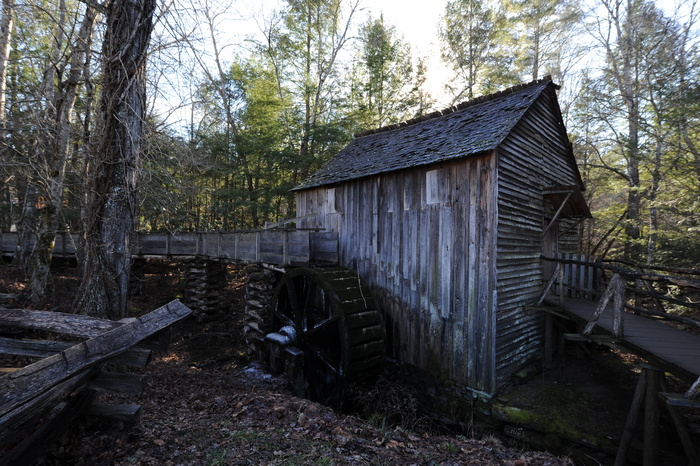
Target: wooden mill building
[(446, 217)]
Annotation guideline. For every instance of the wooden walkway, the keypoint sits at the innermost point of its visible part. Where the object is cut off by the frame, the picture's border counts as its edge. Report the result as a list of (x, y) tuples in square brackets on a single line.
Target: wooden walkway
[(669, 348)]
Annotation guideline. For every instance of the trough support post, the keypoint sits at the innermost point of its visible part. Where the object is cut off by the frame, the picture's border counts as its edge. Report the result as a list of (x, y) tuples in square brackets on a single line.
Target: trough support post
[(651, 416)]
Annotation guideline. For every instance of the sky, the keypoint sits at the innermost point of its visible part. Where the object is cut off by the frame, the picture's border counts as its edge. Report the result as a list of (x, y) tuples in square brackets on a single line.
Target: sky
[(418, 22), (237, 20)]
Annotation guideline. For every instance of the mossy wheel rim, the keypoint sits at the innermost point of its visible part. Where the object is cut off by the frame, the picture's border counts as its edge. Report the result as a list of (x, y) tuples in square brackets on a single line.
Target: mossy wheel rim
[(338, 326)]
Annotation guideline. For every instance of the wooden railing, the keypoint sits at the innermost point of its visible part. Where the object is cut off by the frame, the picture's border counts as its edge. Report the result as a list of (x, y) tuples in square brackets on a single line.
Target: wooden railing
[(272, 246), (630, 288)]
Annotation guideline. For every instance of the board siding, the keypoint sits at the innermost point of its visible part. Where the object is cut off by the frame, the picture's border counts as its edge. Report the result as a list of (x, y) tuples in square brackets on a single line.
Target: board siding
[(432, 264), (535, 155), (453, 250)]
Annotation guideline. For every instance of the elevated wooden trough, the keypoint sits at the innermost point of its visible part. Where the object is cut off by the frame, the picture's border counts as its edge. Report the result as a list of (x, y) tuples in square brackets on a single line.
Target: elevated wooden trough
[(282, 247), (39, 400)]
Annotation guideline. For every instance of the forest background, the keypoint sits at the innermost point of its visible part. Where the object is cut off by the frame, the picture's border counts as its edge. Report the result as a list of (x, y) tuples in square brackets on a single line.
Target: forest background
[(233, 121)]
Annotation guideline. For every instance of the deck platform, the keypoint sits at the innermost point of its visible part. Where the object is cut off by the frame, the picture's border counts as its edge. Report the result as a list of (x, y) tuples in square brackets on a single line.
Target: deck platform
[(671, 349)]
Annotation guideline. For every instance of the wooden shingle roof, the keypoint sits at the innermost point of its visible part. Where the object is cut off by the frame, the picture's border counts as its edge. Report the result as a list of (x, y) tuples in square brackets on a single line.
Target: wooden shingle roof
[(474, 127)]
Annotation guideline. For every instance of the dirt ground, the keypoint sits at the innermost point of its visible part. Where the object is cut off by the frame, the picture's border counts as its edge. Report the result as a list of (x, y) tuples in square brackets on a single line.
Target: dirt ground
[(207, 404)]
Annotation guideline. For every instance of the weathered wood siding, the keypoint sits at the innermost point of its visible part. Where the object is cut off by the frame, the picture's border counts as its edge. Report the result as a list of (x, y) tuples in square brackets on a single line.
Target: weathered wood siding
[(423, 238), (533, 156)]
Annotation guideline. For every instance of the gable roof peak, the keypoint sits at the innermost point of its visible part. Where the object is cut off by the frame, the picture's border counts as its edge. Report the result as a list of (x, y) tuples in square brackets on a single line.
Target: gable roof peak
[(457, 107)]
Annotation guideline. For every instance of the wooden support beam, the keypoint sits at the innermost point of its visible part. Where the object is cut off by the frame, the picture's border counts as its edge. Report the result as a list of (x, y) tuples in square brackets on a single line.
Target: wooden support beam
[(556, 216), (125, 412), (618, 307), (651, 416), (610, 290), (691, 453), (631, 423), (551, 281), (694, 390)]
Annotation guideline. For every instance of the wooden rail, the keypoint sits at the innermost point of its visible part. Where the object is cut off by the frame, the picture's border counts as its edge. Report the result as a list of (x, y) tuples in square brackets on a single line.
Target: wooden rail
[(670, 348), (282, 247), (575, 277)]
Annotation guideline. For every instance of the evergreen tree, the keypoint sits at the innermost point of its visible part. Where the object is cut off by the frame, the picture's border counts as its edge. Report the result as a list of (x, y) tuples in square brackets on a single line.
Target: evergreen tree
[(381, 76), (471, 33)]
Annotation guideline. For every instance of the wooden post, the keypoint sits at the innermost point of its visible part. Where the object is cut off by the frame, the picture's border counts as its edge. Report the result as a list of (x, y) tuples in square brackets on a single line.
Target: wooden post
[(561, 285), (285, 248), (618, 306), (257, 247), (631, 423), (604, 300), (651, 416), (548, 339), (690, 451)]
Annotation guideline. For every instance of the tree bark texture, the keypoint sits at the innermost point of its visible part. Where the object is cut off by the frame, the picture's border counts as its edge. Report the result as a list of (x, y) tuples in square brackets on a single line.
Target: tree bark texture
[(112, 171)]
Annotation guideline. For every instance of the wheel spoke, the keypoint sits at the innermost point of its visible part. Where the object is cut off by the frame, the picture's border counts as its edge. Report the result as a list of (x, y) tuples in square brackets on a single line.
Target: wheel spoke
[(293, 298), (329, 321), (327, 363), (321, 326)]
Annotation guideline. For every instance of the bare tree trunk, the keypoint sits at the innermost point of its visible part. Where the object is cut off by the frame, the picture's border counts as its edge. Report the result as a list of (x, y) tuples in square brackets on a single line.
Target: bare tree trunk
[(113, 169), (6, 23), (56, 153)]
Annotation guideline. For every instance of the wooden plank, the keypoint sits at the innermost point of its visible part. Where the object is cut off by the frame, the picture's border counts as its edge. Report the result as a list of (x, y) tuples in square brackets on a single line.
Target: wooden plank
[(21, 386), (33, 446), (677, 399), (128, 413), (118, 382), (134, 357), (57, 322), (15, 423)]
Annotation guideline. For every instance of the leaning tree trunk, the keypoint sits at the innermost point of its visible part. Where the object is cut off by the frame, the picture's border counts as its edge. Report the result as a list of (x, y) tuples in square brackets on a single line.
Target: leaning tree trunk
[(113, 169)]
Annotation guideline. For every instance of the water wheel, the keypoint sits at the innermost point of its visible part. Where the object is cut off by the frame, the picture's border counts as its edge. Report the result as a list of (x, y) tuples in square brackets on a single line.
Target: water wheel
[(337, 325)]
